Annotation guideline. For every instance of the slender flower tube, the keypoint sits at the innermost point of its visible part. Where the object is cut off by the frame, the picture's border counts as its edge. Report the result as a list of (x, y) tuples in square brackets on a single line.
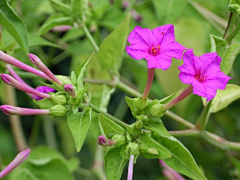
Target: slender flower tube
[(12, 110), (13, 82), (105, 142), (169, 173), (20, 158), (149, 82), (130, 167), (62, 28), (37, 62), (70, 89), (11, 60)]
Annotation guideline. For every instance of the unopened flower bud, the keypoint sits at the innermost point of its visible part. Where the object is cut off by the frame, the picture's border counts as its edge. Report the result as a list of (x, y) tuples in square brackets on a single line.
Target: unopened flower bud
[(119, 139), (103, 141), (20, 158), (58, 110), (141, 103), (152, 151), (58, 98), (142, 117), (132, 148), (70, 89), (139, 124), (157, 110)]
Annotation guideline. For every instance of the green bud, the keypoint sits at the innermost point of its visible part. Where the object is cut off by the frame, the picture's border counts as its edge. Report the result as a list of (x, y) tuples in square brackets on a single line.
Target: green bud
[(152, 151), (58, 110), (157, 110), (141, 103), (64, 79), (139, 124), (142, 117), (132, 148), (58, 98), (128, 136), (119, 139)]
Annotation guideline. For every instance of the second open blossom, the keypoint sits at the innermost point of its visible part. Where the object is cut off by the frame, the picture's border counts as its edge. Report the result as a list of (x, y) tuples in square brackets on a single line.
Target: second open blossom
[(203, 73), (158, 46)]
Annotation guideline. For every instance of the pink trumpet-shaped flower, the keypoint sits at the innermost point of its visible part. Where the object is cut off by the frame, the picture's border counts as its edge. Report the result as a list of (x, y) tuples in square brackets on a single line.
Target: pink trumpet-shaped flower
[(13, 82), (169, 173), (35, 60), (20, 158), (43, 89), (105, 142), (203, 73), (11, 60), (12, 110), (158, 46)]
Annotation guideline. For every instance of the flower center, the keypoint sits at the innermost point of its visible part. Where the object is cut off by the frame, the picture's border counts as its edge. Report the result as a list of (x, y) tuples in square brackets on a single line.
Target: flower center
[(200, 78), (155, 50)]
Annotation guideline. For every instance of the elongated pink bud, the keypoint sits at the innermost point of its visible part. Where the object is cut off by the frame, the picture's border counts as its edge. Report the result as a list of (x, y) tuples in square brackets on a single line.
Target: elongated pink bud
[(11, 60), (105, 142), (37, 62), (62, 28), (12, 110), (13, 82), (20, 158)]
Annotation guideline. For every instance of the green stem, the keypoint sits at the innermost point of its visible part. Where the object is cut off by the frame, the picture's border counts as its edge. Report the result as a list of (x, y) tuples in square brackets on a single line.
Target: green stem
[(98, 163), (120, 85), (234, 33), (98, 110), (203, 118), (89, 36), (49, 132), (84, 172), (179, 119), (231, 21), (183, 133)]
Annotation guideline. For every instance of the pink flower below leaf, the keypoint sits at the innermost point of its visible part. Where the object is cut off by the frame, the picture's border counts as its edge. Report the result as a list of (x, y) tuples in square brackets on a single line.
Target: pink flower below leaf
[(203, 73), (43, 89), (158, 46)]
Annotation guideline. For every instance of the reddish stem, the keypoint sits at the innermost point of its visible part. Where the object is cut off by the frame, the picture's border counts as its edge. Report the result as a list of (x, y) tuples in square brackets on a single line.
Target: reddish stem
[(149, 82)]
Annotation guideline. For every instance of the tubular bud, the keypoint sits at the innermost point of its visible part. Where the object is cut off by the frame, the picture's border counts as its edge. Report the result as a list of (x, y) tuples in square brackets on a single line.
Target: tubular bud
[(58, 110)]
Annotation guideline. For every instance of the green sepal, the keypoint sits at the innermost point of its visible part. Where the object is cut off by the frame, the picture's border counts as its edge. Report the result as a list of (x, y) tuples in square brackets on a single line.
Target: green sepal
[(44, 103), (80, 93), (110, 128), (158, 128), (145, 145), (58, 110), (131, 104)]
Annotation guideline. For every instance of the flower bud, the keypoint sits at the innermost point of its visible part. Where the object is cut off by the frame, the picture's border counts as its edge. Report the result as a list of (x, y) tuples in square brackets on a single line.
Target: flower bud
[(102, 141), (132, 148), (142, 117), (141, 103), (58, 98), (70, 89), (152, 151), (119, 139), (58, 110), (139, 124), (157, 110)]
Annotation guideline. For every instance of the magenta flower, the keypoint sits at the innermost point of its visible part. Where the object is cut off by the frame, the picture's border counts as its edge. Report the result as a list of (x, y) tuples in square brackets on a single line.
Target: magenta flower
[(158, 46), (20, 158), (12, 110), (203, 73), (103, 141), (43, 89), (70, 89)]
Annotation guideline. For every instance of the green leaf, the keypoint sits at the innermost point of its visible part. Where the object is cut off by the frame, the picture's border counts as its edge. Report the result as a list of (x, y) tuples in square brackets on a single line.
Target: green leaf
[(131, 104), (53, 21), (62, 7), (225, 97), (79, 8), (181, 160), (114, 164), (147, 142), (43, 164), (44, 103), (110, 128), (80, 72), (234, 6), (79, 124), (14, 25), (229, 58), (170, 97), (158, 128), (169, 11), (111, 49), (218, 45)]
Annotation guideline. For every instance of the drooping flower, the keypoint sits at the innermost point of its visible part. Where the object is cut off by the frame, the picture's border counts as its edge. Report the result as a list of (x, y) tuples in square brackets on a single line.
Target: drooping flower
[(43, 89), (20, 158), (158, 46), (203, 73)]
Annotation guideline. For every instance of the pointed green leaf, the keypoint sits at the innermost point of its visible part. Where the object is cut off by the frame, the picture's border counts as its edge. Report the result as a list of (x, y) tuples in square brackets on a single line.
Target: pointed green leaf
[(79, 8), (110, 128), (114, 164), (229, 58), (181, 160), (225, 97), (148, 142), (112, 47), (158, 128), (14, 25), (79, 124), (131, 104), (80, 72), (62, 7), (53, 21), (218, 45), (170, 97), (44, 103), (169, 11)]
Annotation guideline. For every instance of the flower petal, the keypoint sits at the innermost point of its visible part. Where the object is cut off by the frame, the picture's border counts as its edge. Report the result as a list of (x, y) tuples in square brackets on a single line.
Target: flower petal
[(137, 52), (141, 36), (168, 34), (199, 89), (174, 50), (161, 61), (186, 78)]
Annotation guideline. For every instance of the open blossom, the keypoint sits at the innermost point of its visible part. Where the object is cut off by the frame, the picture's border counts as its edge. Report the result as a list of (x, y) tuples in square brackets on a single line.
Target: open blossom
[(158, 46), (43, 89), (203, 73)]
